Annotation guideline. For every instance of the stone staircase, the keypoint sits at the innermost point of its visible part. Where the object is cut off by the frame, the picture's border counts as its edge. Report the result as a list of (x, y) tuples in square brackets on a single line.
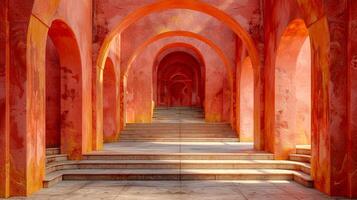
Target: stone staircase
[(149, 160), (178, 124), (303, 154), (185, 132)]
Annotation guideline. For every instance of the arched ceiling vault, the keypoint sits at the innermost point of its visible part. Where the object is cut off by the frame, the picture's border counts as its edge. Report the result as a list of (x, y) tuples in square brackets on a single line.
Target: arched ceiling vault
[(179, 4)]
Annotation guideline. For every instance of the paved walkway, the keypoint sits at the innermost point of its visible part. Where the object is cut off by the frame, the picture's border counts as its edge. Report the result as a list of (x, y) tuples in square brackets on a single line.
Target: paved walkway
[(175, 190)]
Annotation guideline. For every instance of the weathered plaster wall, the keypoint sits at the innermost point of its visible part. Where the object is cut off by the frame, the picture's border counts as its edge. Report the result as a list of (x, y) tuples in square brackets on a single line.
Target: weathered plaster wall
[(26, 125), (327, 25)]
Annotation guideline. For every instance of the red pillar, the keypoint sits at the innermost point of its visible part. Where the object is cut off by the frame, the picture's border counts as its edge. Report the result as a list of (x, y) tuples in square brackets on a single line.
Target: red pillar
[(352, 99), (4, 101)]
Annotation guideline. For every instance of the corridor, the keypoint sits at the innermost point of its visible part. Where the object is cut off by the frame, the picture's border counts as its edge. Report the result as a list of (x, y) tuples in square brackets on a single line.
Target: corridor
[(178, 99)]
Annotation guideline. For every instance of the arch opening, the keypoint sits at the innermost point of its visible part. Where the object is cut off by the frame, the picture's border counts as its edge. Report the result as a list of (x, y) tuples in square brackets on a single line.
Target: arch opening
[(109, 103), (246, 101), (179, 81), (293, 88), (63, 91)]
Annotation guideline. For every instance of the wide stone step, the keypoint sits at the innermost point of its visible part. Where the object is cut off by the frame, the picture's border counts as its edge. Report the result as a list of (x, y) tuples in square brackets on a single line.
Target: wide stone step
[(178, 174), (56, 158), (177, 128), (180, 127), (187, 132), (177, 135), (179, 139), (52, 151), (179, 164), (300, 158), (202, 124), (303, 149), (178, 156)]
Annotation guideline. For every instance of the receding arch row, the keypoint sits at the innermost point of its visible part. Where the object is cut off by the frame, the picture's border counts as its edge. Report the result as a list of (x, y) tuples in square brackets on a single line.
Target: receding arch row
[(175, 47), (180, 4), (196, 6), (188, 34), (179, 46), (199, 56), (211, 44)]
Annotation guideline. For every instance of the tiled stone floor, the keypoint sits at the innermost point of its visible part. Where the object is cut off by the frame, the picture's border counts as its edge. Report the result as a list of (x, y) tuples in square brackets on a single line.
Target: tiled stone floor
[(176, 190)]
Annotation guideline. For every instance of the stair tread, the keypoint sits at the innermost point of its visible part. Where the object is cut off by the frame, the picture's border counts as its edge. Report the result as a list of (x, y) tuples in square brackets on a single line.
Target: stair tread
[(56, 155), (178, 171), (178, 153), (300, 155), (184, 161)]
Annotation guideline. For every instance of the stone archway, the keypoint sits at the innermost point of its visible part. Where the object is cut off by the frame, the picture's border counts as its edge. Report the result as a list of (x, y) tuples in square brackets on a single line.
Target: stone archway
[(293, 89), (110, 126), (179, 81)]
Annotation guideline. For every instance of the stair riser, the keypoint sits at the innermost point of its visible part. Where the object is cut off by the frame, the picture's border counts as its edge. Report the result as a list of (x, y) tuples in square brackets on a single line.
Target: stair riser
[(303, 182), (61, 167), (48, 184), (148, 135), (182, 125), (163, 133), (172, 166), (175, 177), (179, 139), (55, 159), (303, 151), (300, 159), (52, 151), (178, 157), (177, 131)]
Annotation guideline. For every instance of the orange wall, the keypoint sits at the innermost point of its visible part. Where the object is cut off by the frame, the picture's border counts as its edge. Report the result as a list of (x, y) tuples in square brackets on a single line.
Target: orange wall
[(26, 125), (327, 23)]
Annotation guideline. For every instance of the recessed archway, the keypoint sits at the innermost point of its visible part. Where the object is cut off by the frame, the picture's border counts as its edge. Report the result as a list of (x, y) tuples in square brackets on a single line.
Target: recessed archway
[(179, 81), (246, 101), (110, 126), (53, 96), (70, 87), (293, 89), (199, 57), (188, 34), (179, 47)]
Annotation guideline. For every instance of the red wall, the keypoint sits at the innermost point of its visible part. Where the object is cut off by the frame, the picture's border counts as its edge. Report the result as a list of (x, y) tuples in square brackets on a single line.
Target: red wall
[(25, 150), (327, 23)]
